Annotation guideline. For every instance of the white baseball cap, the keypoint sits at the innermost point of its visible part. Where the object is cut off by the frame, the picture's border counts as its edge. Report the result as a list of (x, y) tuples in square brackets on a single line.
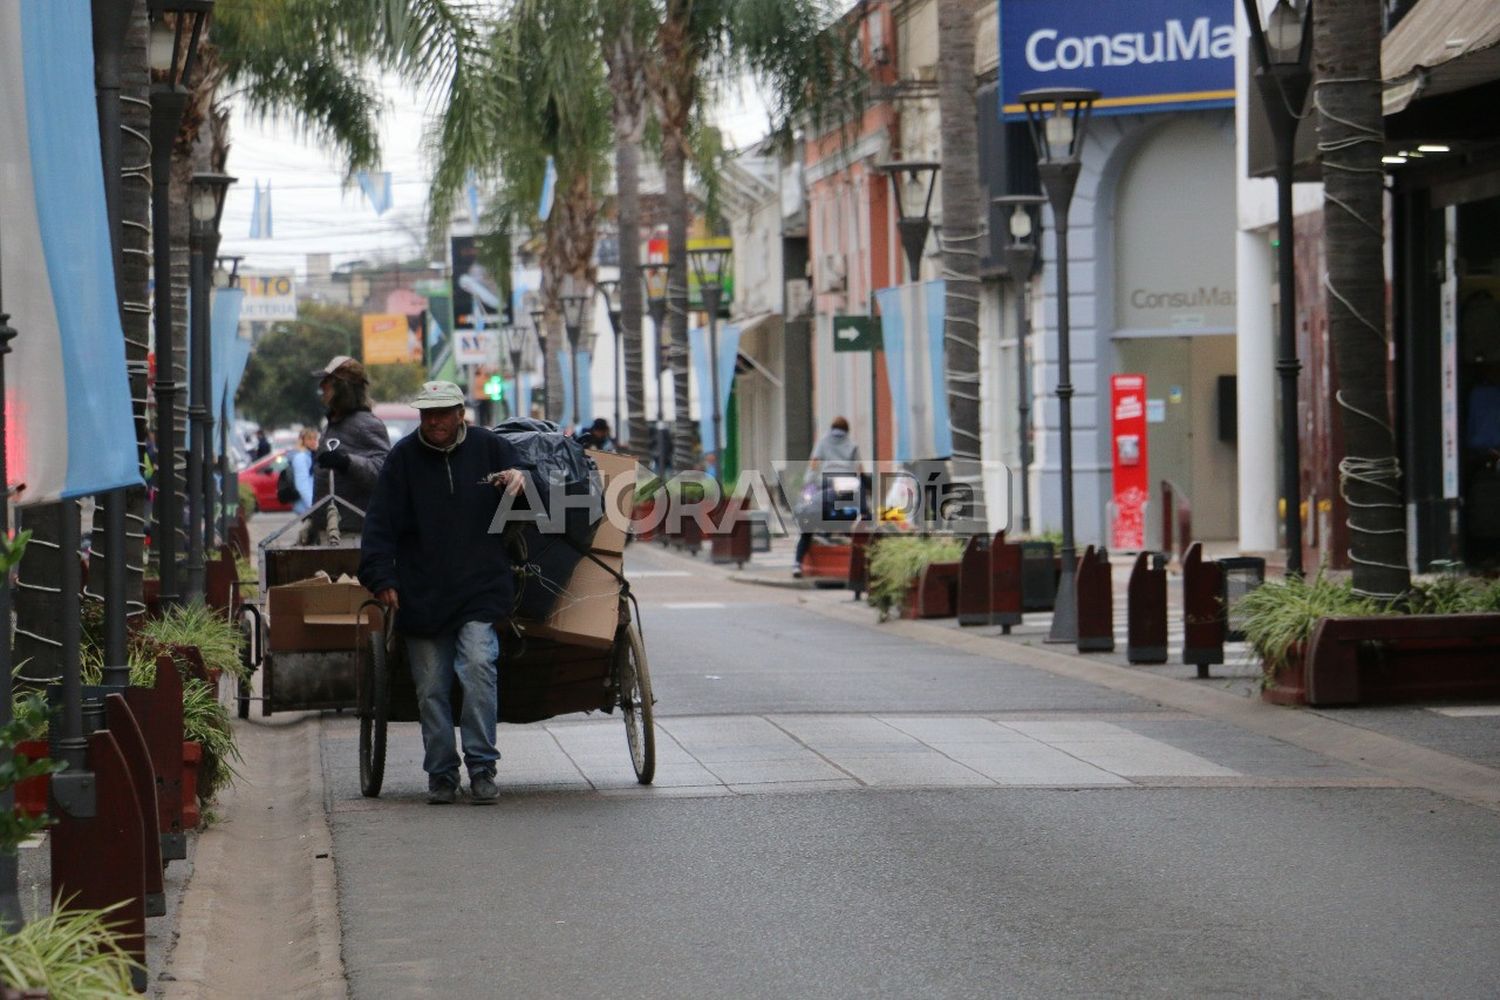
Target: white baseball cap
[(438, 396)]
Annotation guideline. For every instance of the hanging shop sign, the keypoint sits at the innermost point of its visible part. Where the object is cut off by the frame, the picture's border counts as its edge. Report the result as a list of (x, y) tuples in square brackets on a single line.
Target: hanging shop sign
[(1146, 55)]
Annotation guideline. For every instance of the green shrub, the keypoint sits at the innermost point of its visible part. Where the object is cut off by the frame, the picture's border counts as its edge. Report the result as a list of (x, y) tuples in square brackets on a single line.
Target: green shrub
[(67, 953), (28, 720), (1279, 614), (897, 560), (217, 638)]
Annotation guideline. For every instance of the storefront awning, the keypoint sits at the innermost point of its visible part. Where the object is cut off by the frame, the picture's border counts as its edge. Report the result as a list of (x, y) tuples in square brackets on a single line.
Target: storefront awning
[(1439, 47)]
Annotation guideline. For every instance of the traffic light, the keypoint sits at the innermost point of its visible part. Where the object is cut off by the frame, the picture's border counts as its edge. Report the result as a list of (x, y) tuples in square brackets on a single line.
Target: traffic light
[(494, 388)]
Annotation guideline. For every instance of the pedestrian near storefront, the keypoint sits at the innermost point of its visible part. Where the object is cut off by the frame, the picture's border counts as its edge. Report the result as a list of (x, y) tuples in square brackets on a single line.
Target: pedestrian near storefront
[(302, 469), (429, 556), (353, 448), (834, 454)]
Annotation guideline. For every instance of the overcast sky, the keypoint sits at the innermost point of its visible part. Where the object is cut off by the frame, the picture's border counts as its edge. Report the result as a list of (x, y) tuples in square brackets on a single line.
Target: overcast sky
[(313, 213)]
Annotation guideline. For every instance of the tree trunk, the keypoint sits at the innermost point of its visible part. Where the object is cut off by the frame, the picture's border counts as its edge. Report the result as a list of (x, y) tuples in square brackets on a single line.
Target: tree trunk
[(1346, 38), (627, 84), (684, 431), (135, 313), (963, 215)]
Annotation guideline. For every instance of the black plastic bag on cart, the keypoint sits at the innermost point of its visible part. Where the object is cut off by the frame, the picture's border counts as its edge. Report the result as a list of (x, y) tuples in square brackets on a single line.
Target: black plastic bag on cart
[(546, 544)]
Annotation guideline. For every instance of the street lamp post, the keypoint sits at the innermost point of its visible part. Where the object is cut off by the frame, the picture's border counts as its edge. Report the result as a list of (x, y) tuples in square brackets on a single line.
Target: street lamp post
[(655, 277), (710, 266), (1058, 119), (173, 50), (575, 309), (207, 205), (539, 329), (1282, 50), (514, 339), (1020, 261), (611, 291), (920, 177), (915, 174)]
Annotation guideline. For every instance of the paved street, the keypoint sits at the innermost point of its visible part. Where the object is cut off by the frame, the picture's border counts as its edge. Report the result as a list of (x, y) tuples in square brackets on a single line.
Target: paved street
[(846, 810)]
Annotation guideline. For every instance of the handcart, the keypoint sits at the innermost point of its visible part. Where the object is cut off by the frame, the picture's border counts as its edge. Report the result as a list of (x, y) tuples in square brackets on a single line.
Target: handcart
[(306, 664), (539, 678)]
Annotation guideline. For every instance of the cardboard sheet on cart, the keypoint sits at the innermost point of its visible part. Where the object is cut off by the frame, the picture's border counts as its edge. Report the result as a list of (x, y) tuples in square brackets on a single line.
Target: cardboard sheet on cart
[(318, 613), (619, 475), (587, 612)]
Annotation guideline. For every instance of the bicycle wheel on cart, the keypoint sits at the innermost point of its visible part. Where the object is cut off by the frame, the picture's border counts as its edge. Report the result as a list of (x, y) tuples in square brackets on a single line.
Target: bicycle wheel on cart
[(374, 713), (633, 681)]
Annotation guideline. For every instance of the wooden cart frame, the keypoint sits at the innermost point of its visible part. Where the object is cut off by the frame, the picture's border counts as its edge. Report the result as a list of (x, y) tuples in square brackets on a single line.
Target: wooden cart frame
[(539, 679)]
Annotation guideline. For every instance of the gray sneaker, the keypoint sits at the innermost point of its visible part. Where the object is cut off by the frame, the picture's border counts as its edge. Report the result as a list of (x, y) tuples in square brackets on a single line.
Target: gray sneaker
[(482, 790), (442, 795)]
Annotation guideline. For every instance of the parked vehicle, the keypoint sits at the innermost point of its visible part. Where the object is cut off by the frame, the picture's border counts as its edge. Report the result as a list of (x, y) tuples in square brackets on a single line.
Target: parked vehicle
[(262, 474), (400, 418)]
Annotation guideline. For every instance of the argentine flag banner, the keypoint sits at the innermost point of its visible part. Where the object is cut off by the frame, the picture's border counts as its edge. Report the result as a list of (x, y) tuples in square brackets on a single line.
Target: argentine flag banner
[(69, 426), (911, 324)]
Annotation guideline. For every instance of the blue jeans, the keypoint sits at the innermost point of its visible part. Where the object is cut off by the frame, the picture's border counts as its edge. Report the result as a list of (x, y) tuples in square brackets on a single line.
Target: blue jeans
[(469, 654)]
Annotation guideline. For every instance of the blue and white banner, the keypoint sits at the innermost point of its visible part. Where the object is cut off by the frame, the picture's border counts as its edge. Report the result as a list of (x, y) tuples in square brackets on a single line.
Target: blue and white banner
[(1145, 55), (260, 213), (585, 387), (377, 189), (69, 428), (549, 190), (228, 353), (729, 351), (911, 323)]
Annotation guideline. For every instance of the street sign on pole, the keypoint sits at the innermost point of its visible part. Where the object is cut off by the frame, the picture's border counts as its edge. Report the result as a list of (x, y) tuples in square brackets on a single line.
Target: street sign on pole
[(855, 333)]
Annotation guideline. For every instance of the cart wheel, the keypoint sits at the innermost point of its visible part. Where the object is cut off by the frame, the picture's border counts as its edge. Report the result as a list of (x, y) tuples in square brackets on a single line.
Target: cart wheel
[(372, 720), (634, 679)]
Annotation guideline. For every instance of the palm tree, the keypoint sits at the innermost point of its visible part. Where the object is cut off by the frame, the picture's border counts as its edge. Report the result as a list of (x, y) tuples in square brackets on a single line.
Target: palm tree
[(789, 46), (625, 40), (537, 91), (1351, 134), (961, 233)]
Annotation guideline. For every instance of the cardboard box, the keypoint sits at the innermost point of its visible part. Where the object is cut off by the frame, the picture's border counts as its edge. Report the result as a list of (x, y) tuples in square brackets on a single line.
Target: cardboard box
[(587, 613), (619, 473), (315, 614)]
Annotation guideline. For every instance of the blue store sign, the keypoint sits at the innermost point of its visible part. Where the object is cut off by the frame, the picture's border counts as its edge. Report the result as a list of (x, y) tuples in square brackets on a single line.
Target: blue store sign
[(1141, 55)]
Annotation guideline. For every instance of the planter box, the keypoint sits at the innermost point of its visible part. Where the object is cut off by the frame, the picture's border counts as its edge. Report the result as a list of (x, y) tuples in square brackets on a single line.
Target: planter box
[(192, 761), (31, 794), (1287, 684), (1403, 658), (935, 593), (827, 562)]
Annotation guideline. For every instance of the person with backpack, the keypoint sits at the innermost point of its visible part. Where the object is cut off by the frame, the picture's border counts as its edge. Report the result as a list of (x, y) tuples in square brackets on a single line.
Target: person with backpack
[(295, 483)]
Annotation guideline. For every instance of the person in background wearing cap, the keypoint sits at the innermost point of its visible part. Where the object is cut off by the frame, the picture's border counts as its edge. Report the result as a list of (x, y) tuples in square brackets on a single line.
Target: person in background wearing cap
[(598, 436), (428, 555), (353, 447)]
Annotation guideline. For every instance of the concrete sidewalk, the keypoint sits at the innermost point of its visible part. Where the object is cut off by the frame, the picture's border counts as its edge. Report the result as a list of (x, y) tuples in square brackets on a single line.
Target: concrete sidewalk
[(1452, 749)]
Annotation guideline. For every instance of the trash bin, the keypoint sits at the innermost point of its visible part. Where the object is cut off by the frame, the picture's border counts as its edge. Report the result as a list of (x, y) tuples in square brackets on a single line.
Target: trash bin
[(1241, 575), (1038, 576)]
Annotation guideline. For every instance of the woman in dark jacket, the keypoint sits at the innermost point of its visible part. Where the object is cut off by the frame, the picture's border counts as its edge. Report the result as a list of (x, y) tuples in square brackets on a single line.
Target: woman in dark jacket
[(352, 450)]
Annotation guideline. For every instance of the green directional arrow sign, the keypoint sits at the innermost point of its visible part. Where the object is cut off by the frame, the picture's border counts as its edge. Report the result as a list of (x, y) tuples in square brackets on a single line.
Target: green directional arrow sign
[(855, 333)]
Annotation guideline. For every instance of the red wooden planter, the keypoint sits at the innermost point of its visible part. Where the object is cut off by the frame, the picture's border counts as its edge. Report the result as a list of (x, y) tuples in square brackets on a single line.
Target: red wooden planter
[(646, 525), (192, 760), (827, 562), (1287, 684), (31, 794)]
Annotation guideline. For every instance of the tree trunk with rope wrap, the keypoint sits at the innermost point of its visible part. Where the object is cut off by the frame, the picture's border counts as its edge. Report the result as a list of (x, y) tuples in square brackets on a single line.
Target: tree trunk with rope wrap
[(963, 217), (628, 86), (1351, 136)]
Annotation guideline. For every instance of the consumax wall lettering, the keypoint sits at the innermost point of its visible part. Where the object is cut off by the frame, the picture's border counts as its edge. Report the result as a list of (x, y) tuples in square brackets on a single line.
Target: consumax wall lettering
[(1144, 55)]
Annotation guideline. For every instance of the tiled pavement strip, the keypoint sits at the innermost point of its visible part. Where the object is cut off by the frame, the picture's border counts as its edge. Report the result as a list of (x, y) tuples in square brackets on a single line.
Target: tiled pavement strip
[(749, 754)]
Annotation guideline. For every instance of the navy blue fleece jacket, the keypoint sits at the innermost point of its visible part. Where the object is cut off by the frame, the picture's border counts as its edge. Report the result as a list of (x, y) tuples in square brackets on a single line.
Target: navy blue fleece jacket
[(427, 533)]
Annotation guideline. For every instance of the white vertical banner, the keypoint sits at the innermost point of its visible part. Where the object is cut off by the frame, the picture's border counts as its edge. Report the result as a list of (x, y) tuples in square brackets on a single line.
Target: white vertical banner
[(1448, 326)]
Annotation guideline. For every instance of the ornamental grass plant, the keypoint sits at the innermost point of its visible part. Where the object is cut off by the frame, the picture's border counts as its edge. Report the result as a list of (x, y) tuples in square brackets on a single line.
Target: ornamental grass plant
[(897, 560), (1281, 614), (67, 953)]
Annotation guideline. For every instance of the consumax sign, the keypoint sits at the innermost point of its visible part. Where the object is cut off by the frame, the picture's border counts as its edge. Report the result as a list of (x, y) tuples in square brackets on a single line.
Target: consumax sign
[(1144, 55)]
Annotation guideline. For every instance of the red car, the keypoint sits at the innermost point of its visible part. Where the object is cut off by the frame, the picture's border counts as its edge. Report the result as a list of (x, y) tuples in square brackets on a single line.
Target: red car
[(261, 475)]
